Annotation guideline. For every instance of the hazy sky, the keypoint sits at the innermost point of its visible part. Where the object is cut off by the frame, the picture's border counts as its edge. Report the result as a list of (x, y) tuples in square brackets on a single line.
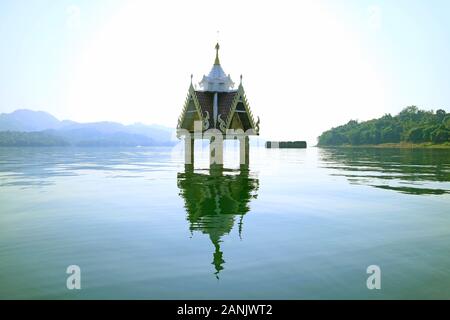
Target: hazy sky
[(306, 65)]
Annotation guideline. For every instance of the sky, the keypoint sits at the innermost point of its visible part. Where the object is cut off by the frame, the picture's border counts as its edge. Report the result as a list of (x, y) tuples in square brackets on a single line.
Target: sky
[(307, 65)]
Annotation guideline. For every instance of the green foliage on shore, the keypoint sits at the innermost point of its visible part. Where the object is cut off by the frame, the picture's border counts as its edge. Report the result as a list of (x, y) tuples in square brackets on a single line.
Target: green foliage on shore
[(30, 139), (75, 138), (411, 125)]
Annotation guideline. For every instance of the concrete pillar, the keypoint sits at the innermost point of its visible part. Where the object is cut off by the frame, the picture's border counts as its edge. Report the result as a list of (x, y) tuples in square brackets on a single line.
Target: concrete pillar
[(216, 151), (244, 150), (189, 150)]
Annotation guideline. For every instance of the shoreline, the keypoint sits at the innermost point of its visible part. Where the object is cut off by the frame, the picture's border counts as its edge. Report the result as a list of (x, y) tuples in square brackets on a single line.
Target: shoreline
[(395, 146)]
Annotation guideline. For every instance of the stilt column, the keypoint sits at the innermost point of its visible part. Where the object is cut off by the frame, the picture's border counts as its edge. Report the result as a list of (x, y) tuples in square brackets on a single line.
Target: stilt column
[(244, 151), (189, 150), (216, 151)]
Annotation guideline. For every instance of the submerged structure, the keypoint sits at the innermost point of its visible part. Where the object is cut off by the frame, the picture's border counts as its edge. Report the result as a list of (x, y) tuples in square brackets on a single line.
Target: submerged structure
[(217, 111)]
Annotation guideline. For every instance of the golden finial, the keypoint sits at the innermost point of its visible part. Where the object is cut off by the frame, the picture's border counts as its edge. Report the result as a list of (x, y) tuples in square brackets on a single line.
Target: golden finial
[(217, 54)]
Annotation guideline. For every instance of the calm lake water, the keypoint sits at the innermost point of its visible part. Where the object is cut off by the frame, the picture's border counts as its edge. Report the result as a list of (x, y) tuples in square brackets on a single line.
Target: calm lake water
[(298, 224)]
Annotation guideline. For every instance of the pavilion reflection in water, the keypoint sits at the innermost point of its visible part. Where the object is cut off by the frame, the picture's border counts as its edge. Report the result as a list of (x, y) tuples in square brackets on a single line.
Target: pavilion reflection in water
[(215, 202)]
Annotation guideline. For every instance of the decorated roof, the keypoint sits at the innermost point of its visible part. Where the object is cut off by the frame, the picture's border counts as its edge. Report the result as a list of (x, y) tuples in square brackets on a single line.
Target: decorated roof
[(224, 103), (217, 105)]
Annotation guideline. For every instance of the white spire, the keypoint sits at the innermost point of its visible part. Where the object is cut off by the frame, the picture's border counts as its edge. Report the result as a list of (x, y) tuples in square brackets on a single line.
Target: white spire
[(217, 80)]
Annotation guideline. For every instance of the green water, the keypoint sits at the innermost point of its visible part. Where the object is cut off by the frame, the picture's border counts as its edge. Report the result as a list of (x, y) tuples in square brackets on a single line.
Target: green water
[(297, 224)]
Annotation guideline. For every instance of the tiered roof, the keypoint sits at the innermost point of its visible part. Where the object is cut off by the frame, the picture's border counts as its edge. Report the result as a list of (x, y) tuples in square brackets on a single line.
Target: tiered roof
[(217, 105)]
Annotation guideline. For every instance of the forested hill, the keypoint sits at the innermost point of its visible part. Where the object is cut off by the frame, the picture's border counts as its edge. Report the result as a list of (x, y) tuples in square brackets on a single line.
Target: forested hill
[(410, 125)]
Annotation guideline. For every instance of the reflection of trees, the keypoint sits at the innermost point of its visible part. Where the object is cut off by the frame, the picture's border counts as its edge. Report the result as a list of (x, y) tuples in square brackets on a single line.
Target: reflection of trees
[(413, 166), (213, 202)]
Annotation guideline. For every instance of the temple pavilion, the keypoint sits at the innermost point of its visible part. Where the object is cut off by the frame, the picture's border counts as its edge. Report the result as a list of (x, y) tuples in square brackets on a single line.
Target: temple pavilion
[(217, 111)]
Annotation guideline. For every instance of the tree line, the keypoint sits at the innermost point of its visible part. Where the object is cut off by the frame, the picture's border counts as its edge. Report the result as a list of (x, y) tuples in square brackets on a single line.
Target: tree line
[(78, 138), (410, 125), (30, 139)]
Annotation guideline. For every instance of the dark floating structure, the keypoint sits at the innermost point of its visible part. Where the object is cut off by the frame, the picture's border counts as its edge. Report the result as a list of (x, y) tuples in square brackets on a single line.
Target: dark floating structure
[(286, 144)]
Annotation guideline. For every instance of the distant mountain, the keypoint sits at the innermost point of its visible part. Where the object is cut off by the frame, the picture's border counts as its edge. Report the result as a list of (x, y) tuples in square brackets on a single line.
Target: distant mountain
[(45, 129), (26, 121)]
